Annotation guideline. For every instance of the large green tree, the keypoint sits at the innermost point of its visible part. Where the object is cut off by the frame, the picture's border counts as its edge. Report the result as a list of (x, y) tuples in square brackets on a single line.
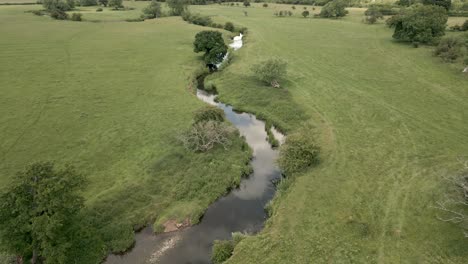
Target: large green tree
[(419, 23), (212, 43), (37, 213)]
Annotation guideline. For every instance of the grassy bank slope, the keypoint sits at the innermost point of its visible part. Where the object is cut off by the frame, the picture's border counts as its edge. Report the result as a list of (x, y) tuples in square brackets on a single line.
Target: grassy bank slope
[(393, 119), (109, 98)]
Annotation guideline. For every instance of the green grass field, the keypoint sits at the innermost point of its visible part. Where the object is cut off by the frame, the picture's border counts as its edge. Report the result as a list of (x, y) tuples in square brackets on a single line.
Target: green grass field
[(109, 98), (391, 119)]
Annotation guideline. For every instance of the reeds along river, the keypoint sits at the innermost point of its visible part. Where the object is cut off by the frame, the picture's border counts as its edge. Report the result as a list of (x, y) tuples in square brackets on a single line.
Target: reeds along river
[(242, 210)]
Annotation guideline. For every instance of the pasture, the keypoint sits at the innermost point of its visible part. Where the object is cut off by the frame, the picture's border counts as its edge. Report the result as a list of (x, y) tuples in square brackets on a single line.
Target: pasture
[(109, 98), (392, 120)]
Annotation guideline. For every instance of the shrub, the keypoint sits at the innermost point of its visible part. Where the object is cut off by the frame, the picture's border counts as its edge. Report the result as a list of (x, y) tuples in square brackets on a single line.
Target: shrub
[(178, 7), (37, 12), (88, 2), (203, 136), (242, 30), (373, 14), (293, 7), (210, 87), (153, 10), (197, 19), (419, 23), (61, 5), (335, 8), (237, 237), (451, 48), (265, 5), (115, 4), (385, 9), (208, 113), (298, 152), (139, 19), (443, 3), (456, 27), (216, 25), (99, 10), (229, 26), (103, 2), (76, 17), (246, 3), (305, 13), (58, 14), (270, 71), (464, 27), (222, 250)]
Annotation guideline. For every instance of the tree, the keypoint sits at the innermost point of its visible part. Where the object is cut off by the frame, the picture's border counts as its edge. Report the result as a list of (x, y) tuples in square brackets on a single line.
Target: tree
[(246, 3), (116, 4), (373, 14), (178, 7), (37, 212), (229, 26), (443, 3), (103, 2), (153, 10), (212, 43), (270, 71), (335, 8), (305, 13), (419, 23)]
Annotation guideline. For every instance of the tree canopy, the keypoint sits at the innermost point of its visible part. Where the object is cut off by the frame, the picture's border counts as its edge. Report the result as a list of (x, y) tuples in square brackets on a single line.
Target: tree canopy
[(212, 43), (335, 8), (419, 23), (37, 211)]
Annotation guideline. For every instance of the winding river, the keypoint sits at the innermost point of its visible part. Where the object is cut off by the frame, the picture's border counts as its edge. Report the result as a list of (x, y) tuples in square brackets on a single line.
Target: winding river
[(241, 210)]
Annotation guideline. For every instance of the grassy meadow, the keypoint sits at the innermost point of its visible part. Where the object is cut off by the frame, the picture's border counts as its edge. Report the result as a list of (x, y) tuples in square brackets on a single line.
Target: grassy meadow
[(110, 99), (109, 96), (391, 120)]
